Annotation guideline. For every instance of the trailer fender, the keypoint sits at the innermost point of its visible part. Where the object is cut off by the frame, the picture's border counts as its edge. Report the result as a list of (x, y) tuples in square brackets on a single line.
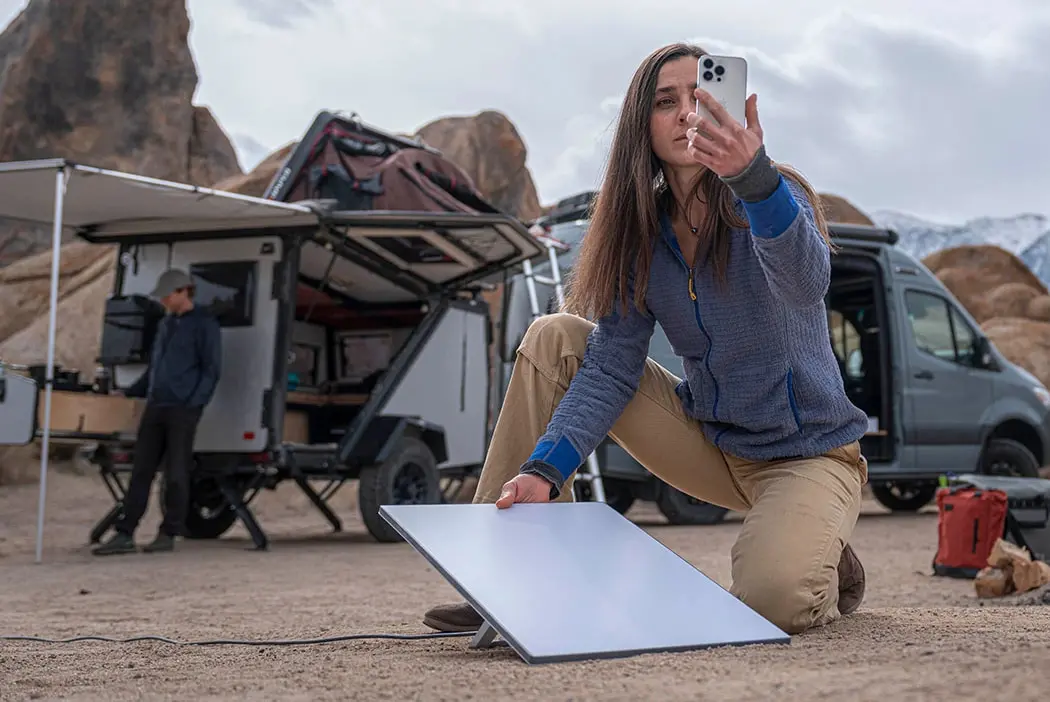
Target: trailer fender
[(385, 432)]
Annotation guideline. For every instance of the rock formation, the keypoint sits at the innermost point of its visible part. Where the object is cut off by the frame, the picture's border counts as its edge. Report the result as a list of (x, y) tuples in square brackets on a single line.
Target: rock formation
[(82, 292), (839, 209), (1025, 342), (255, 181), (1009, 302), (106, 84), (489, 148)]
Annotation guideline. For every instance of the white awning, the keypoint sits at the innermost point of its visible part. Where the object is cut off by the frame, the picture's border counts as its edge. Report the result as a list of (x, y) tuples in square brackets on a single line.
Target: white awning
[(104, 203)]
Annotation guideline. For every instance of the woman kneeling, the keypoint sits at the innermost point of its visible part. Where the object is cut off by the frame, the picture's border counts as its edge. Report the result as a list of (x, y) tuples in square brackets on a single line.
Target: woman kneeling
[(695, 228)]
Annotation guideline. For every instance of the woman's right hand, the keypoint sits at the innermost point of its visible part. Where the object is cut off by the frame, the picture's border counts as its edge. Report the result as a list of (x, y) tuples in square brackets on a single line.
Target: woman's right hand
[(524, 487)]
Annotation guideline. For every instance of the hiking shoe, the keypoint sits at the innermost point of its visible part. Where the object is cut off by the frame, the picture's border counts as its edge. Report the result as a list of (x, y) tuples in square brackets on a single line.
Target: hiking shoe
[(163, 542), (452, 618), (851, 581), (118, 543)]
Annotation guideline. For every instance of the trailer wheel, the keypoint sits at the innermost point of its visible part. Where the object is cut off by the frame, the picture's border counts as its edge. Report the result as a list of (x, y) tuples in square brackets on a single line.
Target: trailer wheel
[(209, 514), (680, 508), (409, 477)]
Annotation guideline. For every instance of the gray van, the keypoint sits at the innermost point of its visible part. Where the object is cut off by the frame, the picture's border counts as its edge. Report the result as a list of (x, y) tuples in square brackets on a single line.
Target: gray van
[(939, 396)]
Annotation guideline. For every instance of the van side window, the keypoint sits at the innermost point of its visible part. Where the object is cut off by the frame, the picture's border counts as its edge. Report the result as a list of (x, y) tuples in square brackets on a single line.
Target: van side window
[(227, 290), (939, 329), (965, 340)]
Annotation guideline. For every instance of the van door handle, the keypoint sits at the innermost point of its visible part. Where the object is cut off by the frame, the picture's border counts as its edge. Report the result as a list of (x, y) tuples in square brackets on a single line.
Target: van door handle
[(924, 375)]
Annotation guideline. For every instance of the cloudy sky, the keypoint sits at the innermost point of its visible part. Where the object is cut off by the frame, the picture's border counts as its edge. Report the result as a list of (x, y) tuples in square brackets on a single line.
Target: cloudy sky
[(937, 108)]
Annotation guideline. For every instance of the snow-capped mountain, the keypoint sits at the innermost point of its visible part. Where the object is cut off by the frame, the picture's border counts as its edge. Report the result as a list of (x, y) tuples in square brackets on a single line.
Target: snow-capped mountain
[(1025, 235)]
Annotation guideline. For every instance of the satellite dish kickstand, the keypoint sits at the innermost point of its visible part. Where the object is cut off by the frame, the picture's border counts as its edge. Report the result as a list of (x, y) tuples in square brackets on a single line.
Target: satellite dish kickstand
[(486, 636)]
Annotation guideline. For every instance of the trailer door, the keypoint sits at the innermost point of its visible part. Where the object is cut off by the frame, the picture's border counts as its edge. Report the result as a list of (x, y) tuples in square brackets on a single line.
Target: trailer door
[(235, 280)]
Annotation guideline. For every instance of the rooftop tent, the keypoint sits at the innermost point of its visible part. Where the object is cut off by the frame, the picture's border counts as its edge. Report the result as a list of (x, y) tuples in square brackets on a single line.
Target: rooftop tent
[(103, 205), (402, 204)]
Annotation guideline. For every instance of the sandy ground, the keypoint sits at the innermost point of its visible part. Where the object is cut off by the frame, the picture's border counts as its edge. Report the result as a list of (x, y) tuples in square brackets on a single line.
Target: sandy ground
[(916, 636)]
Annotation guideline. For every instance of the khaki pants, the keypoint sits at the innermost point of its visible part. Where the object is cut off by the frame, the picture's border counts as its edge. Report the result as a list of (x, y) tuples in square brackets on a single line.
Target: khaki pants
[(799, 513)]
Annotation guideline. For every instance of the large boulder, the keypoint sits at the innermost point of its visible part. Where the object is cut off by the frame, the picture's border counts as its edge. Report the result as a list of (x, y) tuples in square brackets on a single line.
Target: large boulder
[(489, 148), (839, 209), (990, 282), (966, 284), (995, 264), (1009, 302), (254, 182), (78, 322), (107, 84), (1025, 342), (25, 285)]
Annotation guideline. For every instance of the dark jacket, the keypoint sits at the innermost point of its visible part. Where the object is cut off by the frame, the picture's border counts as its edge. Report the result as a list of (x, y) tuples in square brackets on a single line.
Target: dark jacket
[(184, 363)]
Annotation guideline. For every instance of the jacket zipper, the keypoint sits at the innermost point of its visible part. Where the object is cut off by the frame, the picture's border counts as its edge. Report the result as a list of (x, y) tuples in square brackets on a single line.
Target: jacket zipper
[(700, 323)]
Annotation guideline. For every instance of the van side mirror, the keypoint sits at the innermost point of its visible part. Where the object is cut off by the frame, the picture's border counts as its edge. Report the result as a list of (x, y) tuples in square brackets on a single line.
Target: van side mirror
[(983, 353)]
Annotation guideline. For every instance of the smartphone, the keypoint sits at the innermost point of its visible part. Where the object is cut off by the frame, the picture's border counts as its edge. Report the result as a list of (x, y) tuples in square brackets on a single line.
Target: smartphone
[(725, 77)]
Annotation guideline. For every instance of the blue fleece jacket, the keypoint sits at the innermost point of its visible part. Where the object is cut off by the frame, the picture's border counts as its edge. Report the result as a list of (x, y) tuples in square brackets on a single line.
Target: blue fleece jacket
[(760, 373)]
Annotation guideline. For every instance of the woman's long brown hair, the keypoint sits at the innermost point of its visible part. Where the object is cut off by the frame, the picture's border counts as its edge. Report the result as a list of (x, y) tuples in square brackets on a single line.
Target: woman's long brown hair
[(625, 213)]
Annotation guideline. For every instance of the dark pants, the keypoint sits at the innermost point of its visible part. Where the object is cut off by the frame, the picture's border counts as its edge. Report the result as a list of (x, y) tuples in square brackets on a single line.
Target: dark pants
[(164, 433)]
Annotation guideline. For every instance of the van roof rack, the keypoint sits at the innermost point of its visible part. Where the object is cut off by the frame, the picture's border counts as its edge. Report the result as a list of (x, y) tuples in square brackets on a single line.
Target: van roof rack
[(863, 232), (569, 209)]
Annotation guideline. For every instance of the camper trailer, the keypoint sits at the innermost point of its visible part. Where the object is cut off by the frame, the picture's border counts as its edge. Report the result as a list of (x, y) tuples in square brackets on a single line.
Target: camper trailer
[(355, 340)]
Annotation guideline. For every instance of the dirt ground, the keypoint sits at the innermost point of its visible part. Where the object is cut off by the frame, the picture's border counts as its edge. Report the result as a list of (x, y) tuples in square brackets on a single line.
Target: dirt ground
[(916, 636)]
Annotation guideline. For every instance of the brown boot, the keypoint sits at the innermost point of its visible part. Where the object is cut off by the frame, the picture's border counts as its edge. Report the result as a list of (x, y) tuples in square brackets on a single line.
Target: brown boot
[(851, 581), (451, 618)]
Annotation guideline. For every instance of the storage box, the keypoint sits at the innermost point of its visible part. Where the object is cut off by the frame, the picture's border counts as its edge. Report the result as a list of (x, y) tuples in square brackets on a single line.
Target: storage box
[(296, 427), (90, 414)]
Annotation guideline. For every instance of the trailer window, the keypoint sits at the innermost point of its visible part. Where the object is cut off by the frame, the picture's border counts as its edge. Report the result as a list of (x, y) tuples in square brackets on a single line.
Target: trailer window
[(227, 290), (412, 249)]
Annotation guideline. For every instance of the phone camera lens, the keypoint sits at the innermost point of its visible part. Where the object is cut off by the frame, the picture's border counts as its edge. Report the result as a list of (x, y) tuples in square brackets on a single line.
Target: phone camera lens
[(708, 75), (708, 63), (719, 70)]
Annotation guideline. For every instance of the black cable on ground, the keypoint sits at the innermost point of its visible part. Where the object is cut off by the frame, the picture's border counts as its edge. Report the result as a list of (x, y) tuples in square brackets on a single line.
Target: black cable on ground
[(242, 642)]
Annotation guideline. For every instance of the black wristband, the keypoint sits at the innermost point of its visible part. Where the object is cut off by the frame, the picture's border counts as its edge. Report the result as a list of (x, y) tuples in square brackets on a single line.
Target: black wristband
[(547, 472), (756, 182)]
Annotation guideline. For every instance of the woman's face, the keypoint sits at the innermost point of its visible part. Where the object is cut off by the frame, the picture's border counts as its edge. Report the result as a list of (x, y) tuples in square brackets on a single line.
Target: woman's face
[(672, 101)]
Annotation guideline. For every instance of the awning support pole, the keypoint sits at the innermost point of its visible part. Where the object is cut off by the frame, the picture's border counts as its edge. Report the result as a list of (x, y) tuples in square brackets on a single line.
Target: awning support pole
[(52, 323)]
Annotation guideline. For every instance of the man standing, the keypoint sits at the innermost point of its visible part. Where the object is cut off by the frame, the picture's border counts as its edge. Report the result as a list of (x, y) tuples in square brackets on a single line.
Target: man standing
[(179, 382)]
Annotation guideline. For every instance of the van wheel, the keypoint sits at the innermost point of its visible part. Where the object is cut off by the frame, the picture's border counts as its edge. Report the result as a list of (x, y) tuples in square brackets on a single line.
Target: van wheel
[(1006, 457), (904, 496), (409, 477), (683, 509)]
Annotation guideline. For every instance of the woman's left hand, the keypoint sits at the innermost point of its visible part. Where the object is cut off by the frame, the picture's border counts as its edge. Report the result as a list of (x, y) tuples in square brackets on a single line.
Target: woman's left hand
[(725, 147)]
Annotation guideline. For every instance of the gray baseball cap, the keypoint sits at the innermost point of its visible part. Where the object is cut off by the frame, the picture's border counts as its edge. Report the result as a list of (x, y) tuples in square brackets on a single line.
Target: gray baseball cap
[(171, 280)]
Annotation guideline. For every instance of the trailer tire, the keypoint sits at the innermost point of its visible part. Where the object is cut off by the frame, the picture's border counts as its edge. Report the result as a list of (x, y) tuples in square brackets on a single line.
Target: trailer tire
[(409, 476), (209, 515)]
